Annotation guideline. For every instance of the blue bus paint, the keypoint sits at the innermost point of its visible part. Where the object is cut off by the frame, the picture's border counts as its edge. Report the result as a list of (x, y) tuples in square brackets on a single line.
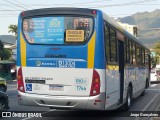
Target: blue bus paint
[(99, 48), (18, 42)]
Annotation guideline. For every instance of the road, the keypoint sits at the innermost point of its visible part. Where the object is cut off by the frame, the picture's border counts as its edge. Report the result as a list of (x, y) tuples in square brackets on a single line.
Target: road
[(149, 102)]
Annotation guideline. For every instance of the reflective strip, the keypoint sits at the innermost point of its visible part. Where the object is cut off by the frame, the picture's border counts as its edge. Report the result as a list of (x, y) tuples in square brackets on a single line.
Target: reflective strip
[(91, 51), (22, 50), (112, 67)]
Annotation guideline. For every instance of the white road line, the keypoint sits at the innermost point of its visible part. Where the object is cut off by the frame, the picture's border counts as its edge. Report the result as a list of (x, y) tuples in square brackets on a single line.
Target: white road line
[(11, 85), (151, 89), (153, 85), (11, 89), (145, 108)]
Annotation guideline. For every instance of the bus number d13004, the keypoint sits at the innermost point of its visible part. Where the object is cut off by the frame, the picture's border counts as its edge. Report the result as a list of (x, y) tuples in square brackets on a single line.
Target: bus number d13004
[(66, 64)]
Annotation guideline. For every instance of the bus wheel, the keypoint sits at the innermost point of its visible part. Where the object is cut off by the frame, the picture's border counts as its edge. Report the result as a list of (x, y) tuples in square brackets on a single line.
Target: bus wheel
[(128, 99), (143, 93)]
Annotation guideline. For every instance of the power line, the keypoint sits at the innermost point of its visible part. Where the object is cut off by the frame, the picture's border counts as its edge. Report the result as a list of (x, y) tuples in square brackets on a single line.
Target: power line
[(111, 5), (124, 4), (14, 4), (6, 11), (58, 4), (23, 4)]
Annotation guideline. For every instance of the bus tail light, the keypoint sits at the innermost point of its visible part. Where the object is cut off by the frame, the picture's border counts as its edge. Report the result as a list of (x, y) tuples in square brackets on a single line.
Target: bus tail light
[(93, 12), (95, 87), (20, 80)]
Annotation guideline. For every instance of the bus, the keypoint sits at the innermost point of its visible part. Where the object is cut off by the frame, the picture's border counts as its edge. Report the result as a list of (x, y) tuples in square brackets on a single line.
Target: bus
[(78, 58)]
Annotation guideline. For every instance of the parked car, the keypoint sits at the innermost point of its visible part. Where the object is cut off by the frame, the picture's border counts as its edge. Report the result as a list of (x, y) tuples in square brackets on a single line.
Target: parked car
[(4, 102), (154, 76), (3, 85)]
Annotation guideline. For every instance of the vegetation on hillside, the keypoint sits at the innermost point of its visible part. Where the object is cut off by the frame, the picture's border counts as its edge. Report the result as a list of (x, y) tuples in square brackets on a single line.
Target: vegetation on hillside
[(148, 26)]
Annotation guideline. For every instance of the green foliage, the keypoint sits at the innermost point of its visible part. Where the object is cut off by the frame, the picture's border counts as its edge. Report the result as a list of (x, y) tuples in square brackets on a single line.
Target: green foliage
[(157, 48), (13, 29), (155, 59), (148, 24), (5, 55), (1, 48)]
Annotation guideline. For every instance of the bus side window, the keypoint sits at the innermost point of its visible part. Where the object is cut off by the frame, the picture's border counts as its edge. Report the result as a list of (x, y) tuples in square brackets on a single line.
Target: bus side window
[(138, 54), (131, 52), (113, 46), (146, 58), (143, 57), (127, 47), (107, 44), (134, 54)]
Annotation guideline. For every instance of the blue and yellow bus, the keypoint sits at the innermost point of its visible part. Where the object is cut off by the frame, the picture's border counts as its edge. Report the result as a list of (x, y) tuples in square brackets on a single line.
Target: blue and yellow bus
[(76, 58)]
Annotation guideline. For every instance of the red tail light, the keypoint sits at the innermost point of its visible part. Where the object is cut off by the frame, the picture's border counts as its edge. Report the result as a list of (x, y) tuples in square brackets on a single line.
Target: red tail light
[(94, 12), (20, 80), (95, 87)]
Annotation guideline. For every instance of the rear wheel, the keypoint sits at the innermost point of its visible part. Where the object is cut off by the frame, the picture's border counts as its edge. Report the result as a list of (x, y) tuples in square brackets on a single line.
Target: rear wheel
[(143, 93), (147, 83), (128, 99)]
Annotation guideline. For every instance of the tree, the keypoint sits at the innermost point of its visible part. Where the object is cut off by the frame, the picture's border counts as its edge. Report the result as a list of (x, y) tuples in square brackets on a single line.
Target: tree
[(157, 51), (13, 29), (5, 54), (157, 48), (1, 48)]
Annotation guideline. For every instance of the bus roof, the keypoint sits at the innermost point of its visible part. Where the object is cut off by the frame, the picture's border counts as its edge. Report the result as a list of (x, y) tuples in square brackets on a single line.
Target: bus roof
[(58, 10)]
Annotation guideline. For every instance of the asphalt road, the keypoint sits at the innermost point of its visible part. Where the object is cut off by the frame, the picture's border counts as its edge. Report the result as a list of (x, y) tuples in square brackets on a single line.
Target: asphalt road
[(149, 102)]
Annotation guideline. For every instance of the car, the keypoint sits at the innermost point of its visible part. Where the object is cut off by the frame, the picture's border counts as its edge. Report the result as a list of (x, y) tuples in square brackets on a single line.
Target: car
[(4, 102), (154, 76), (3, 85)]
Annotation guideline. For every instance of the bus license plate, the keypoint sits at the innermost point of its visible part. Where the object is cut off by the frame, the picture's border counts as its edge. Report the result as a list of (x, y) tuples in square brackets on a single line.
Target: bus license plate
[(56, 87)]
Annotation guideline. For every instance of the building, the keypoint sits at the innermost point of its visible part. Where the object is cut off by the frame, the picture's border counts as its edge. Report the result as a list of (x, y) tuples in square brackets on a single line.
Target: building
[(9, 41), (130, 28)]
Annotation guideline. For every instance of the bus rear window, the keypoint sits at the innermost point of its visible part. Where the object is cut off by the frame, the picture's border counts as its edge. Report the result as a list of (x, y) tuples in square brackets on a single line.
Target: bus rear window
[(57, 30)]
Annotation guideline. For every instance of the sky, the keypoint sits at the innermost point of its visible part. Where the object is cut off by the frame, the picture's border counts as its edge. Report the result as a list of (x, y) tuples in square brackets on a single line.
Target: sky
[(10, 9)]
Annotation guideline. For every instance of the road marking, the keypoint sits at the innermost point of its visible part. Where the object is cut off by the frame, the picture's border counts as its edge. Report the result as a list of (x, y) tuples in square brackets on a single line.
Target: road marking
[(153, 85), (145, 108), (153, 89), (11, 85), (12, 89)]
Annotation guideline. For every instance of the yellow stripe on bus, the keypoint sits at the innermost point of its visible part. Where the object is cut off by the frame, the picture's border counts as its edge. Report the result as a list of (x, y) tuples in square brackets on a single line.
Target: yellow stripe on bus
[(22, 50), (91, 50), (112, 67)]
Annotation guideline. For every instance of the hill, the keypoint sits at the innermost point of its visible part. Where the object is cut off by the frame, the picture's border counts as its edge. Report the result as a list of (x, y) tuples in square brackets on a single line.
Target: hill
[(148, 26)]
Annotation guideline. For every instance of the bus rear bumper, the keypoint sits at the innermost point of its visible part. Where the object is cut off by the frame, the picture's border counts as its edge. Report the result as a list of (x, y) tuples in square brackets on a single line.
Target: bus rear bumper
[(63, 102)]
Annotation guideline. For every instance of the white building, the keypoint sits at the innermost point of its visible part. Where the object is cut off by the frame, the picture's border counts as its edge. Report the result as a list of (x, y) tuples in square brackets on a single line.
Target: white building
[(9, 41), (130, 28)]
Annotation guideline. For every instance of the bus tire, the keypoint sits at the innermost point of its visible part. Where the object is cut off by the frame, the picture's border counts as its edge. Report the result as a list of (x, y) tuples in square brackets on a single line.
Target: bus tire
[(128, 99), (143, 93), (147, 83)]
